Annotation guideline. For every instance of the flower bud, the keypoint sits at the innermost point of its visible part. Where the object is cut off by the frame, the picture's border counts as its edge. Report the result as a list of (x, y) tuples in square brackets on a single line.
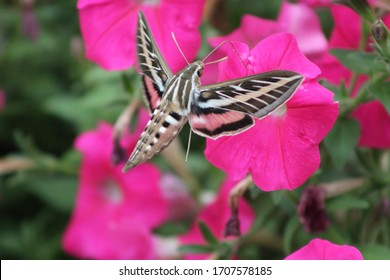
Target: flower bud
[(379, 31), (311, 210), (232, 227), (382, 40)]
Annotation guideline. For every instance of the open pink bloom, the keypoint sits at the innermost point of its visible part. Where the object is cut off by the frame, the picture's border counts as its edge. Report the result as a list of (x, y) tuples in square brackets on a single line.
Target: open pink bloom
[(215, 216), (115, 212), (281, 150), (372, 116), (297, 19), (109, 29), (319, 249)]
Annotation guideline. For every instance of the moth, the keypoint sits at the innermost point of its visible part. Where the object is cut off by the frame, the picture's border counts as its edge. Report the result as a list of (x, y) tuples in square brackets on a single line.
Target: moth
[(212, 111)]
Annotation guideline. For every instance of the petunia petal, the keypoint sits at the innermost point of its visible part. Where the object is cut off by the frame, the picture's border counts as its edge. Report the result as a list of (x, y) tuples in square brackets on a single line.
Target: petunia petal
[(319, 249), (108, 241), (114, 213), (109, 28), (347, 29), (374, 122), (252, 29), (304, 23), (280, 51)]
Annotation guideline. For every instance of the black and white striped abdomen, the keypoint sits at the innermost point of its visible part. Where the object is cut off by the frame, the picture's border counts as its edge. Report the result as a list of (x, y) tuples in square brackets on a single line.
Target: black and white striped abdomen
[(159, 132)]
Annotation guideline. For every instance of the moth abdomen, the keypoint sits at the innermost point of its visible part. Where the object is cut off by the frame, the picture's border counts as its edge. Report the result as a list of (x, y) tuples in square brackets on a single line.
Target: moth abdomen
[(157, 135)]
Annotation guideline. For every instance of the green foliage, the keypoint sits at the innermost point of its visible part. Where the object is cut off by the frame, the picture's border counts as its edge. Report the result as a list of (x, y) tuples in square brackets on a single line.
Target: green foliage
[(341, 141), (381, 91)]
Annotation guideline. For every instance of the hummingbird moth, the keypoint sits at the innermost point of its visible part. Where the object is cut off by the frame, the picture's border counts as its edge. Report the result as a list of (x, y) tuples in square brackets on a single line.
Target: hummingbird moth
[(216, 110)]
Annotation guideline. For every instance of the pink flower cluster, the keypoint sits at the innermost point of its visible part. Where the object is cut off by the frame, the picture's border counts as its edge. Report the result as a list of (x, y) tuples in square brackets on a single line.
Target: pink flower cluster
[(115, 213), (372, 116)]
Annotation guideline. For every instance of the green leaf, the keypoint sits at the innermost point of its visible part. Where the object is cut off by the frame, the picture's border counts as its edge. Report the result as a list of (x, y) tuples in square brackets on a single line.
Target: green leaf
[(58, 191), (195, 249), (224, 250), (336, 234), (382, 92), (342, 140), (283, 199), (375, 252), (346, 202), (289, 231), (254, 192), (248, 252), (207, 234), (169, 229), (359, 62)]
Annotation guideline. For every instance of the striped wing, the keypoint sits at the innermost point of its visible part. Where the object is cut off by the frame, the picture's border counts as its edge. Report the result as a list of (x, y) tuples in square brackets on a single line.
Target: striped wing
[(152, 64), (228, 108)]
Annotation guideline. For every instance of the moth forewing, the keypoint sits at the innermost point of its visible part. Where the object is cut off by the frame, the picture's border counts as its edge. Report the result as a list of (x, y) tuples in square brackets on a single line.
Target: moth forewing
[(227, 108)]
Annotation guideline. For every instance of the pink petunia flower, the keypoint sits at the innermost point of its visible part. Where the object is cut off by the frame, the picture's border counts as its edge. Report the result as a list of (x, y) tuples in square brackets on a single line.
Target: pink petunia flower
[(280, 151), (109, 29), (297, 19), (319, 249), (114, 213), (372, 116), (216, 215)]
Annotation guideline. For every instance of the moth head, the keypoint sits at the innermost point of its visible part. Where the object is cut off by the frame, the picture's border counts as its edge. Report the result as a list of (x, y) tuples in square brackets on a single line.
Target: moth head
[(198, 67), (193, 70)]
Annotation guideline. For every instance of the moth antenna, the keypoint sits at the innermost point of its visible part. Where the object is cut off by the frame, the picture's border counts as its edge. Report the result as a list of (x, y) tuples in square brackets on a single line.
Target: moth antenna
[(235, 50), (217, 61), (188, 145), (178, 47)]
